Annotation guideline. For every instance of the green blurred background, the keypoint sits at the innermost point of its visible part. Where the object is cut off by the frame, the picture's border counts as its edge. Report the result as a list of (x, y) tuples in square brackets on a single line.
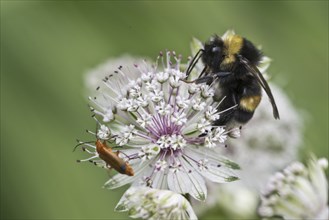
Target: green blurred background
[(47, 47)]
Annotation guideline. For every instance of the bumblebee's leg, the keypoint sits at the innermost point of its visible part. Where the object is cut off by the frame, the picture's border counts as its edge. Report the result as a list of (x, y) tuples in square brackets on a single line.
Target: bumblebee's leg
[(209, 78), (205, 79), (222, 74), (234, 99)]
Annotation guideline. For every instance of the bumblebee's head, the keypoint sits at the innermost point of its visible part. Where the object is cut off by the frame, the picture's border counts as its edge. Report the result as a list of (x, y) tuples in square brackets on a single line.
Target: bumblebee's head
[(221, 54), (213, 53)]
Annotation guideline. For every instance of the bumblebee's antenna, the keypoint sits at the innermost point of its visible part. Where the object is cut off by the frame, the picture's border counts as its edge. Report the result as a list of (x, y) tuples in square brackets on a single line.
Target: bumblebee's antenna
[(194, 61)]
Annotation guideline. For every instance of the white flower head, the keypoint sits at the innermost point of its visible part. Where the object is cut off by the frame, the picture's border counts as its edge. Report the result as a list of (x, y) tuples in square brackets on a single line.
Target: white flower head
[(163, 108), (148, 203), (174, 81), (212, 114), (298, 192), (135, 91), (147, 76), (144, 120), (142, 101), (179, 118), (161, 125), (162, 77), (206, 91), (198, 104), (209, 142), (161, 165), (130, 105), (204, 125), (219, 134), (125, 135), (182, 102), (177, 142), (193, 88), (103, 133), (151, 87), (124, 104), (156, 95), (147, 152)]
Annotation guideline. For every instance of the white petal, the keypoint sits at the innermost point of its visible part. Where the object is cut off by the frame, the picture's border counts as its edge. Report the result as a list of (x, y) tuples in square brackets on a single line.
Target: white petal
[(122, 179), (160, 180), (219, 169), (264, 64), (228, 34), (219, 174), (212, 155), (318, 179), (199, 188), (121, 206), (179, 182)]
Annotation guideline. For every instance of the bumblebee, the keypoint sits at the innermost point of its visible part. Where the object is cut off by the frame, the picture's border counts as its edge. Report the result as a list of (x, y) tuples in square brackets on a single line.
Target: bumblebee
[(230, 63)]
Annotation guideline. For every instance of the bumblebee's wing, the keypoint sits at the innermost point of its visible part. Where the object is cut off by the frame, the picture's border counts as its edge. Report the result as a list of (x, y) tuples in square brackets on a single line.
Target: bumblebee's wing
[(259, 76)]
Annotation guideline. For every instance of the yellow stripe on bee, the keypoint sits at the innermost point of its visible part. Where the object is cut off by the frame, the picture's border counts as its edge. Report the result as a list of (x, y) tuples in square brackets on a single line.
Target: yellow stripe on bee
[(228, 61), (232, 46), (250, 103)]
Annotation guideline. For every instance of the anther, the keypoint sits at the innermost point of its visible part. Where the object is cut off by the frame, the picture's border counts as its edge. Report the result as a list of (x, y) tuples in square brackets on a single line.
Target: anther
[(148, 181)]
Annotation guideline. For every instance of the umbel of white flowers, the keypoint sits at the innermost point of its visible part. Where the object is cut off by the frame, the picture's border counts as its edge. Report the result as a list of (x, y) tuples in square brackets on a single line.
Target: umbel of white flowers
[(163, 127), (298, 192), (148, 203)]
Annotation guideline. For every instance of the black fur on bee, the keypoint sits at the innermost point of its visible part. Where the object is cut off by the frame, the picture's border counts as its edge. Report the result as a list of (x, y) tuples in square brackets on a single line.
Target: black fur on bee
[(230, 64)]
